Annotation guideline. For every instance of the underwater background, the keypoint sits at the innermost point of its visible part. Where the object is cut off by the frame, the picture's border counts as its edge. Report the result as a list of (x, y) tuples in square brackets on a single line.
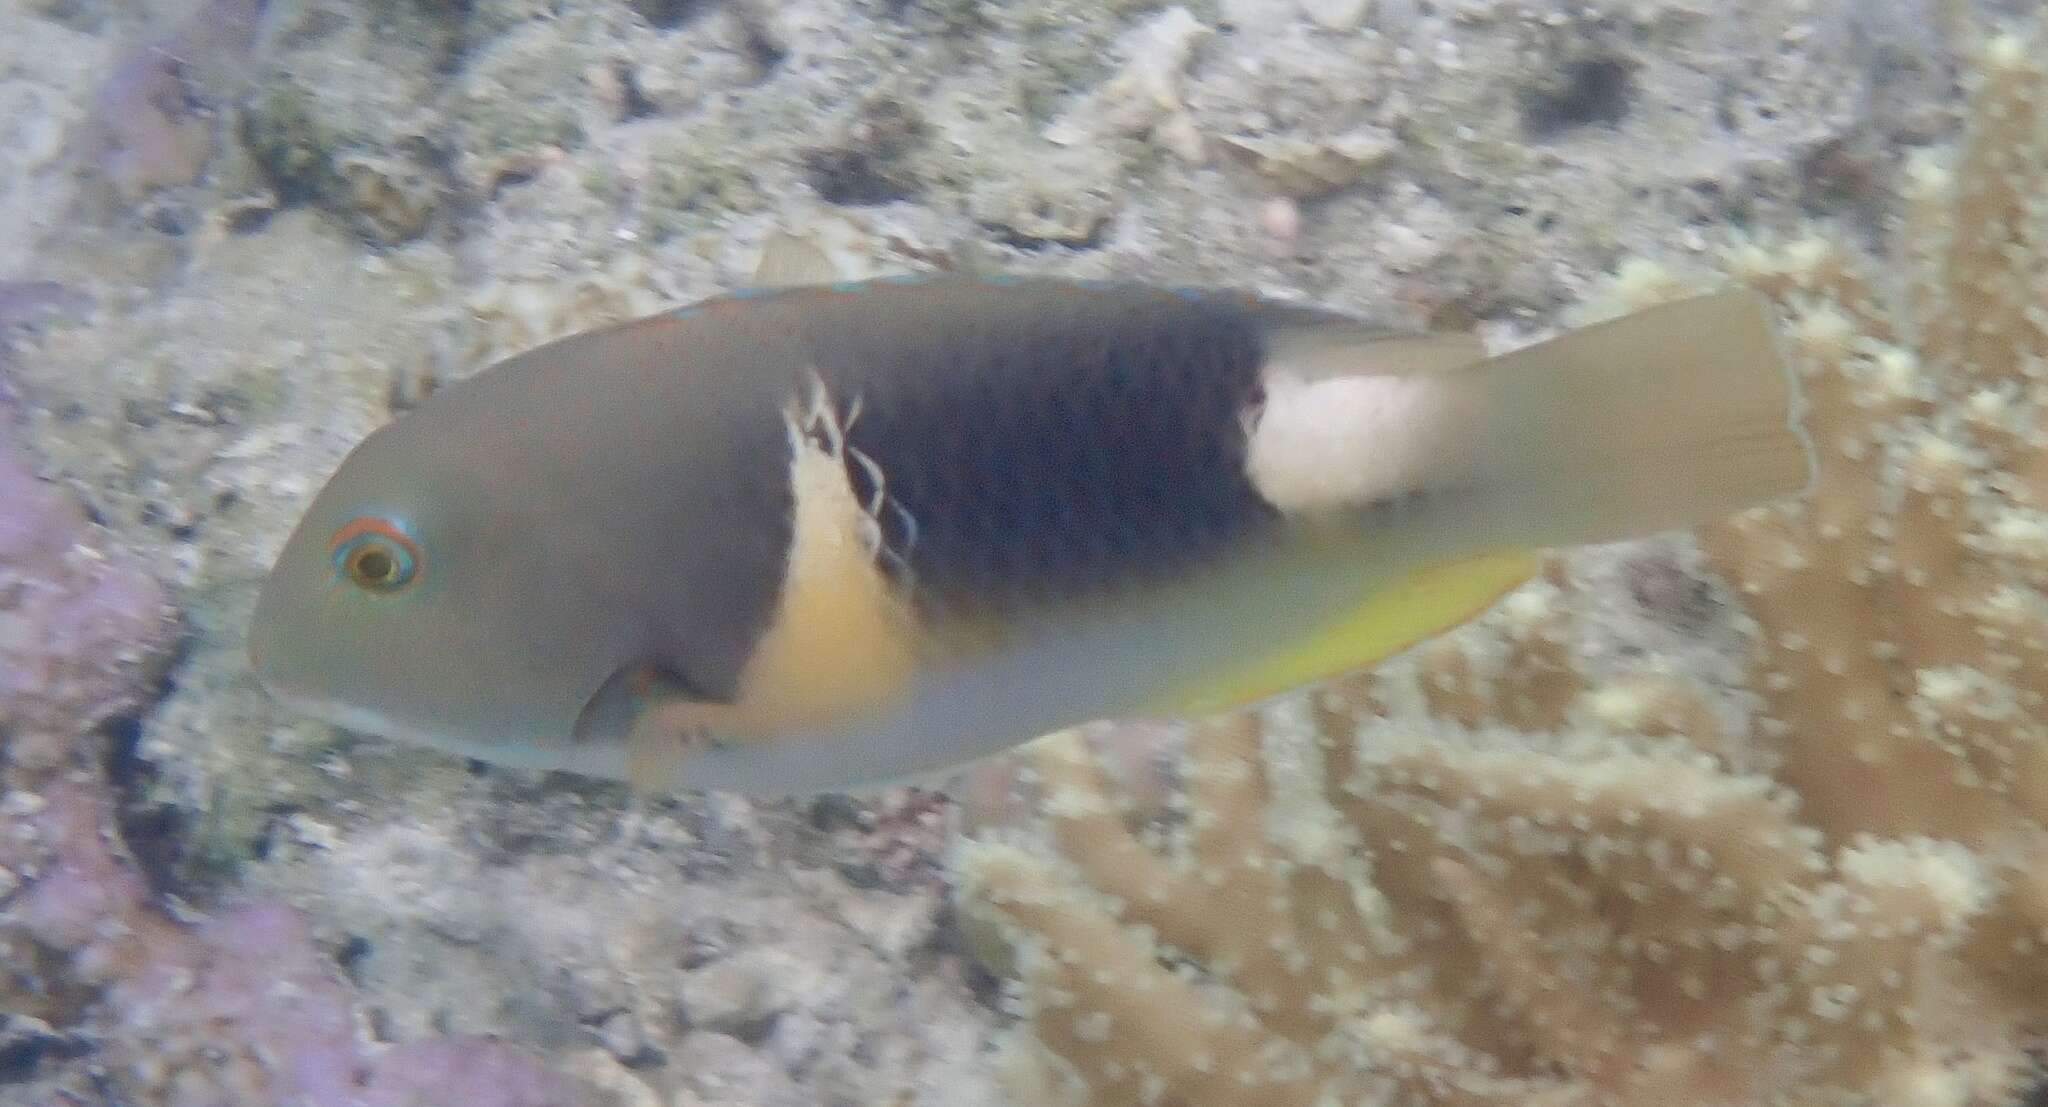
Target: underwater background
[(1757, 814)]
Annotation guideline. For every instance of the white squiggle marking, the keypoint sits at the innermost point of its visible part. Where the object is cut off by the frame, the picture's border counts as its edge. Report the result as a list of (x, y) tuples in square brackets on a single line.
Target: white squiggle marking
[(815, 417)]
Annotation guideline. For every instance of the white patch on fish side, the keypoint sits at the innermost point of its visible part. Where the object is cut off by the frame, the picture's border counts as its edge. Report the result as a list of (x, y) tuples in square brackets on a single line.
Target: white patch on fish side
[(1338, 443)]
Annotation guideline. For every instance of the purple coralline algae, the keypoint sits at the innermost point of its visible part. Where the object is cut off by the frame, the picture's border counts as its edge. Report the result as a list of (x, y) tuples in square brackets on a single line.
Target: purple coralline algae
[(151, 126), (244, 1008), (82, 629)]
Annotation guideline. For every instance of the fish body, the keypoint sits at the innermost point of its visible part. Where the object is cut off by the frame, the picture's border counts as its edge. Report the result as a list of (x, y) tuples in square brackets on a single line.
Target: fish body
[(808, 538)]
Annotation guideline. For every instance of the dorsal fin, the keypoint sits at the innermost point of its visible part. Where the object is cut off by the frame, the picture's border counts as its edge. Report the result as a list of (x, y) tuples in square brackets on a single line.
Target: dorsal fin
[(1313, 346), (788, 260)]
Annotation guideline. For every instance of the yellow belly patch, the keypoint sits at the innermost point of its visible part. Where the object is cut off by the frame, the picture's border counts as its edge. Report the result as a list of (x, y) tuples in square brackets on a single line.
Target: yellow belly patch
[(844, 642), (1389, 620)]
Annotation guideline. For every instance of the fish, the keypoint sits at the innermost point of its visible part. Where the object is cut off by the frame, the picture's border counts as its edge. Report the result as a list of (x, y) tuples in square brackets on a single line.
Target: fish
[(825, 535)]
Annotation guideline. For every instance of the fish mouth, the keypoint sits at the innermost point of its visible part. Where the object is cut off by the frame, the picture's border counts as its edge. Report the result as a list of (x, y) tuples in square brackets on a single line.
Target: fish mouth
[(266, 630), (540, 745), (358, 719), (347, 716)]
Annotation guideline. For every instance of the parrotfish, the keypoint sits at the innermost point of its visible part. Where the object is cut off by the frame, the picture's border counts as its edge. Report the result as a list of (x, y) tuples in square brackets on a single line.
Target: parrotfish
[(823, 535)]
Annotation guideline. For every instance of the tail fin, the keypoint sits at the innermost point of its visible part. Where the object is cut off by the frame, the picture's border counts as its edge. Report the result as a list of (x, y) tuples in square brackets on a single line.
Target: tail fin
[(1665, 418)]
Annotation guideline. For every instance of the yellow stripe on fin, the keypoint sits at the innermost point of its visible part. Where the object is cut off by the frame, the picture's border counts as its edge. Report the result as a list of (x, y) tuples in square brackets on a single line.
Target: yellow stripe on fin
[(1389, 620)]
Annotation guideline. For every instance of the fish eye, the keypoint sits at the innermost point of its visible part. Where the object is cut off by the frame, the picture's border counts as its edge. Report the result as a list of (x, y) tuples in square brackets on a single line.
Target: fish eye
[(376, 554)]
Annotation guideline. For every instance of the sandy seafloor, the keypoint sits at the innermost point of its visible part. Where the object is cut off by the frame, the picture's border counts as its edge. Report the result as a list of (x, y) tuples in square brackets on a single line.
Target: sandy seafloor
[(265, 234)]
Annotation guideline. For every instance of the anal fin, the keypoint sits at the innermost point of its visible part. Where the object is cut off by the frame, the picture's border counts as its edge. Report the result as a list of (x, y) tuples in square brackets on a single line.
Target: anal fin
[(1390, 619)]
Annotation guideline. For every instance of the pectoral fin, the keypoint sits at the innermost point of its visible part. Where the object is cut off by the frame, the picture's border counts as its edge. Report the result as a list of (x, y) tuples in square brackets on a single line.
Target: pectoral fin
[(660, 740), (654, 715)]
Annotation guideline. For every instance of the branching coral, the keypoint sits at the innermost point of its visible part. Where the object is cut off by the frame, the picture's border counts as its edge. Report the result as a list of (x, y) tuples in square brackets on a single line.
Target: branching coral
[(1552, 886)]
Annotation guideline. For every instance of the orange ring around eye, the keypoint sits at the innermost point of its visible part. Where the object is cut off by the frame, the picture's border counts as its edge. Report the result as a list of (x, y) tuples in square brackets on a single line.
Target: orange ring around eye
[(373, 540)]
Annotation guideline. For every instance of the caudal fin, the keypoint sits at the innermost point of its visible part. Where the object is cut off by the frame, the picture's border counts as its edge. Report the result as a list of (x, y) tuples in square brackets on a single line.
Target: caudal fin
[(1666, 418)]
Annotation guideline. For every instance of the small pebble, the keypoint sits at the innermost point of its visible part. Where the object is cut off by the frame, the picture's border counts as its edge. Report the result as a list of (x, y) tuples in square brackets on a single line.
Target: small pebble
[(742, 995), (621, 1036), (1280, 218), (1337, 15)]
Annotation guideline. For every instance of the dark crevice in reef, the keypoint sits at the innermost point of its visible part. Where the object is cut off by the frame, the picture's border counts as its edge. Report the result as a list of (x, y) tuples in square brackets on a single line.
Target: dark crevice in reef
[(157, 833), (27, 1044), (1597, 88), (870, 161), (667, 15)]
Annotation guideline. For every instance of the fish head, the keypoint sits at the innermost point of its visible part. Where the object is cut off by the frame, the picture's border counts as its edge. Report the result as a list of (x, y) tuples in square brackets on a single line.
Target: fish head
[(428, 595)]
